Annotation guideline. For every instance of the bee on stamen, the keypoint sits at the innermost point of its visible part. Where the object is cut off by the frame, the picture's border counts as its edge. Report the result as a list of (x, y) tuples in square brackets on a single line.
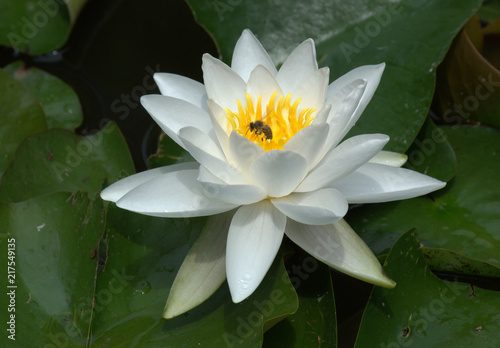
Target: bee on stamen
[(260, 128)]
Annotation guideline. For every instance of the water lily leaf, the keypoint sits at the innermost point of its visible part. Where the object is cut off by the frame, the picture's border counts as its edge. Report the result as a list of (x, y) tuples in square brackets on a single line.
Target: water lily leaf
[(349, 35), (490, 10), (468, 80), (60, 103), (432, 154), (460, 222), (37, 26), (55, 267), (21, 116), (147, 252), (315, 322), (59, 160), (168, 153), (425, 311)]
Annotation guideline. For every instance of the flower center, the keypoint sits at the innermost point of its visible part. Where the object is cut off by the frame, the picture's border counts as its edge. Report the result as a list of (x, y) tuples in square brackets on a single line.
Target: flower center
[(272, 130)]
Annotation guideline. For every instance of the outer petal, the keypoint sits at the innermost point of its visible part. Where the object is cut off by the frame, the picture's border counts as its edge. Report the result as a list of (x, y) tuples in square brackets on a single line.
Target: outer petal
[(219, 123), (341, 113), (223, 84), (312, 89), (342, 160), (299, 64), (339, 247), (181, 87), (373, 183), (278, 172), (313, 208), (389, 158), (308, 143), (117, 190), (254, 238), (209, 154), (248, 53), (234, 194), (371, 74), (174, 194), (203, 269), (172, 114)]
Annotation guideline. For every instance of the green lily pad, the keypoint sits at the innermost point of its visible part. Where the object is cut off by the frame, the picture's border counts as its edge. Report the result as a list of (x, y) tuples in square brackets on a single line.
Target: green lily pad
[(315, 322), (460, 220), (168, 153), (21, 116), (59, 160), (432, 154), (349, 35), (37, 26), (146, 252), (59, 101), (54, 269), (425, 311)]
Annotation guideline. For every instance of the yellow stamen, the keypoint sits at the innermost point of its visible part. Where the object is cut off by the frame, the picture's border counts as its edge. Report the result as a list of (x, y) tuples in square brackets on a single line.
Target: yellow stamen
[(280, 118)]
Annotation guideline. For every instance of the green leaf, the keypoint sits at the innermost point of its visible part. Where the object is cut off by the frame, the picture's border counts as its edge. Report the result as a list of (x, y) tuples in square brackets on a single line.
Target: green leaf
[(424, 311), (21, 116), (315, 322), (58, 160), (432, 154), (460, 222), (54, 268), (168, 153), (146, 252), (60, 103), (349, 35), (36, 27)]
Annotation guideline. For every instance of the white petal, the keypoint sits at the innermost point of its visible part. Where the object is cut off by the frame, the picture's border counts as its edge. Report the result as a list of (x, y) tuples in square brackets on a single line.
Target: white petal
[(278, 172), (172, 114), (209, 154), (203, 270), (299, 64), (234, 194), (223, 84), (373, 183), (389, 158), (308, 142), (248, 53), (117, 190), (341, 113), (244, 152), (339, 247), (254, 238), (344, 159), (371, 74), (174, 194), (312, 89), (313, 208), (262, 82), (182, 87), (219, 124)]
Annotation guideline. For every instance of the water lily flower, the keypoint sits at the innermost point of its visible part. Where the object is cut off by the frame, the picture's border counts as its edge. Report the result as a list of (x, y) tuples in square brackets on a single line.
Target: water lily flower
[(270, 161)]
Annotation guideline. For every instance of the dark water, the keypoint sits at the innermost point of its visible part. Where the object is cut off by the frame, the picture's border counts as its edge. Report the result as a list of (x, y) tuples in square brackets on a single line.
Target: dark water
[(111, 54)]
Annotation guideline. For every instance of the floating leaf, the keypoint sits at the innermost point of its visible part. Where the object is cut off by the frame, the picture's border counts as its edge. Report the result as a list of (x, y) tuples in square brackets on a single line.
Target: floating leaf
[(424, 311), (21, 116), (55, 270), (58, 100), (37, 26), (59, 160)]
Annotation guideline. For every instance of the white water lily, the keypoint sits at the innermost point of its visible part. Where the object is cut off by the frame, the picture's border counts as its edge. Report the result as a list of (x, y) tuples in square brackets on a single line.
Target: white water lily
[(269, 162)]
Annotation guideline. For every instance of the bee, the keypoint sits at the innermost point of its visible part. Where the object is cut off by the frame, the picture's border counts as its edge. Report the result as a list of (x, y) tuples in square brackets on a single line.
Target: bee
[(260, 128)]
